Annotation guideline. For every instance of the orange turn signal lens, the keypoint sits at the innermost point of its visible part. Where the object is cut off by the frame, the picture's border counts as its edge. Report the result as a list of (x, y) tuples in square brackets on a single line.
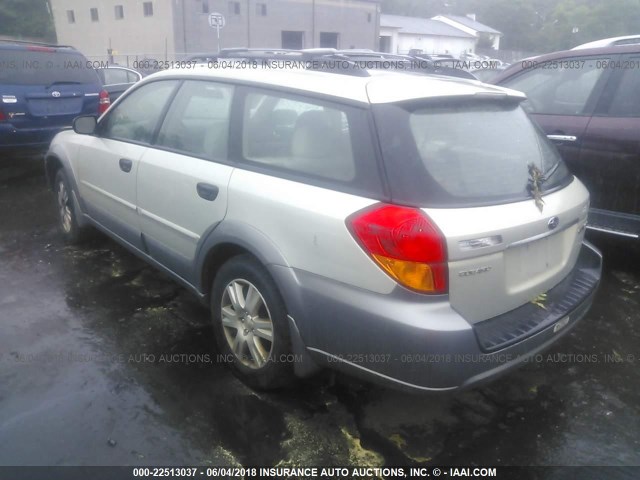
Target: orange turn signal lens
[(418, 276)]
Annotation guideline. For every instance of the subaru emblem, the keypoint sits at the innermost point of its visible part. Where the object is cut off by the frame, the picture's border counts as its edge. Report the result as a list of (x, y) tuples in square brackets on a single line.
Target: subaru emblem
[(55, 93), (553, 222)]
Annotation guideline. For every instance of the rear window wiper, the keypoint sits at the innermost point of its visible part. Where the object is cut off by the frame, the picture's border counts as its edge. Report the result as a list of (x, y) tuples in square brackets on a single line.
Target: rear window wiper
[(536, 179)]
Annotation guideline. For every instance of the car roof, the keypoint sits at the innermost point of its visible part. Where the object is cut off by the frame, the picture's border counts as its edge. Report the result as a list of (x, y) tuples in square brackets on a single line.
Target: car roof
[(377, 87), (610, 42), (9, 44), (531, 62)]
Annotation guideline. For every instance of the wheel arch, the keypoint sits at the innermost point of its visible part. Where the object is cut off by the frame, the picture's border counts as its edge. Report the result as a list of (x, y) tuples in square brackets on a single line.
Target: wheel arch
[(231, 239), (227, 240), (52, 164)]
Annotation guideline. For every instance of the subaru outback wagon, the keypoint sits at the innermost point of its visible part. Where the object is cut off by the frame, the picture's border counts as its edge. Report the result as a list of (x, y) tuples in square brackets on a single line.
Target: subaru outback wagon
[(42, 89), (414, 230)]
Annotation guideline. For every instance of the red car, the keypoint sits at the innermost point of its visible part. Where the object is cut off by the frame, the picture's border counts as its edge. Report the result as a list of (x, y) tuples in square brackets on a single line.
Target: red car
[(588, 102)]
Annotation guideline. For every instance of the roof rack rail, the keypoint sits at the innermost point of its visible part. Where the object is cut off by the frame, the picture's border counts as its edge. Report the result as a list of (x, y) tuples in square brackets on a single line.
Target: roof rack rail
[(346, 62), (39, 44), (410, 63), (322, 59)]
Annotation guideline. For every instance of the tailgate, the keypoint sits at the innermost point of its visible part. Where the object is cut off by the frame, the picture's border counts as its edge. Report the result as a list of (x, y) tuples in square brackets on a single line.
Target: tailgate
[(503, 256)]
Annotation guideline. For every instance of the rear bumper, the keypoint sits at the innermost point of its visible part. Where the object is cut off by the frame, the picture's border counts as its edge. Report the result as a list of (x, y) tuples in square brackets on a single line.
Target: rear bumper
[(411, 343), (12, 138)]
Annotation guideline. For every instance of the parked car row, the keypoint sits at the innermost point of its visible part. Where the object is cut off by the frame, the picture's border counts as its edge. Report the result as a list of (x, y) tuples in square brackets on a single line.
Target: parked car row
[(360, 218), (44, 87)]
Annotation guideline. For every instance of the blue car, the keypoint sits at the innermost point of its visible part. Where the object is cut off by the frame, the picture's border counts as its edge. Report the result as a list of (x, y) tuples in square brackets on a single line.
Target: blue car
[(42, 89)]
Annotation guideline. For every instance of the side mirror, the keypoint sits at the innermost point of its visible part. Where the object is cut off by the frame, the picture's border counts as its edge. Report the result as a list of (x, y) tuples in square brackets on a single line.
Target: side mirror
[(85, 125)]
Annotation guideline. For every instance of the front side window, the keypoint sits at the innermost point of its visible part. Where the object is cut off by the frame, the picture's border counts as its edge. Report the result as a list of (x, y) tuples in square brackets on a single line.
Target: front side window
[(626, 100), (298, 136), (136, 117), (198, 121), (560, 87), (464, 153)]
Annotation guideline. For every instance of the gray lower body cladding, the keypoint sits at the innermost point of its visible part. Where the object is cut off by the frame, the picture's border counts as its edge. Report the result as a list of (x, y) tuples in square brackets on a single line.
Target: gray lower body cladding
[(407, 341)]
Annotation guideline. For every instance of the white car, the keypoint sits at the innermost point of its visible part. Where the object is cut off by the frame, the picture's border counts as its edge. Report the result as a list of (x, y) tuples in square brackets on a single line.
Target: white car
[(415, 230)]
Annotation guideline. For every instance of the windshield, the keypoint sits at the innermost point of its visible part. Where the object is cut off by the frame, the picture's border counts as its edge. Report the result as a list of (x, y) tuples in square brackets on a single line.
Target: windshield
[(464, 153), (26, 67)]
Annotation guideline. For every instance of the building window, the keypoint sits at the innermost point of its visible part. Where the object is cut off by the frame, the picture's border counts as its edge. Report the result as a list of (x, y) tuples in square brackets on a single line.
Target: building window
[(261, 9), (292, 40), (71, 16), (369, 17), (205, 6), (119, 12), (147, 8), (234, 8), (94, 15), (328, 40)]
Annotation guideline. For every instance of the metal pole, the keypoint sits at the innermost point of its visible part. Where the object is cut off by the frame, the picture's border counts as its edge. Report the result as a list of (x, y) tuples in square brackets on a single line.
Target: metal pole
[(313, 24), (184, 27), (248, 23)]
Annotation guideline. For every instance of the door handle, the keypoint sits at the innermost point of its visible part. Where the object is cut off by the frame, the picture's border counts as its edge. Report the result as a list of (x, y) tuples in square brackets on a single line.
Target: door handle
[(125, 165), (562, 138), (208, 192)]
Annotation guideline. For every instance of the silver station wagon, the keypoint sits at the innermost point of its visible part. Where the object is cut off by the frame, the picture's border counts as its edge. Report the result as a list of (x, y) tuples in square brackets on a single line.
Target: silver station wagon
[(414, 230)]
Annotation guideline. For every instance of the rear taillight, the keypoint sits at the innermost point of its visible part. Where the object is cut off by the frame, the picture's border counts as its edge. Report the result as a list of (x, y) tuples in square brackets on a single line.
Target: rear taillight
[(405, 243), (104, 102), (2, 116)]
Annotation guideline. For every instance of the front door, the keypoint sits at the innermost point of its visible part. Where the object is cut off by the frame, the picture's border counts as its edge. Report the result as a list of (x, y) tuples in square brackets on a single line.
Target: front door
[(108, 161)]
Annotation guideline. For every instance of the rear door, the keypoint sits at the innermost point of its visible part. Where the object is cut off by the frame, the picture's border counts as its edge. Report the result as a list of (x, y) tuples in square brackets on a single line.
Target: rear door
[(610, 156), (183, 179), (108, 162)]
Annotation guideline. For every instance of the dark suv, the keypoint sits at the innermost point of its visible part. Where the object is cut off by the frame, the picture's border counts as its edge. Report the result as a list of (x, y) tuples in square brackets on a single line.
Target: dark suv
[(588, 102), (42, 89)]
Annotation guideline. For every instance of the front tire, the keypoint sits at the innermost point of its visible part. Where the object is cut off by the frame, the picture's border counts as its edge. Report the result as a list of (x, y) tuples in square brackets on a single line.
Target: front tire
[(67, 216), (250, 323)]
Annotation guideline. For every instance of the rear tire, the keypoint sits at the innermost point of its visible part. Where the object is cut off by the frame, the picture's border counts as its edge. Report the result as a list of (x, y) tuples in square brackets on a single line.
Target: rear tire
[(67, 216), (250, 324)]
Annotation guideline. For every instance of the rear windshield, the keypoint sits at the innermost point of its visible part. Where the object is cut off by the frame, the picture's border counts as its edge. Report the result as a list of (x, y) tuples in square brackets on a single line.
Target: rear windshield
[(464, 153), (26, 67)]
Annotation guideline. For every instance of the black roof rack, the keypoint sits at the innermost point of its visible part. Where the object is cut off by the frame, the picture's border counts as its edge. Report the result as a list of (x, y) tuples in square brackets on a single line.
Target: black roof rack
[(346, 62), (320, 59)]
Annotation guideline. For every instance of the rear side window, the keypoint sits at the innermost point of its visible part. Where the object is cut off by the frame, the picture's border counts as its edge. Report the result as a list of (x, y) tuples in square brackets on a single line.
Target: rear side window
[(464, 153), (27, 67), (113, 76), (311, 140), (298, 135), (137, 116)]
